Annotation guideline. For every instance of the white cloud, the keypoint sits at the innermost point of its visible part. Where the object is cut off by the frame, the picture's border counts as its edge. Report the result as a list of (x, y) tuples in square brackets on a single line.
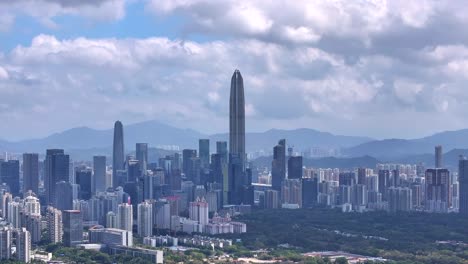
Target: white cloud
[(3, 74)]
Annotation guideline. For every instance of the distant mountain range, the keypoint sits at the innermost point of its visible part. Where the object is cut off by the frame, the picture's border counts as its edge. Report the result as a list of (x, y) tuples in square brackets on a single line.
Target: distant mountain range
[(83, 140), (389, 149)]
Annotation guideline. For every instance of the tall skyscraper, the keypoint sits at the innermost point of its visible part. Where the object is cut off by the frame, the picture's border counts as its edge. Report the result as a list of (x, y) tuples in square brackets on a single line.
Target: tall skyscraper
[(118, 158), (31, 172), (187, 156), (145, 219), (237, 118), (125, 216), (84, 179), (438, 157), (309, 192), (56, 169), (463, 185), (9, 174), (72, 227), (204, 152), (99, 179), (295, 167), (278, 165), (141, 151)]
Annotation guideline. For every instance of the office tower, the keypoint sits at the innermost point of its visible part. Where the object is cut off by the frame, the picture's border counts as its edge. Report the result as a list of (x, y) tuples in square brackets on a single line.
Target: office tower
[(291, 192), (187, 162), (204, 152), (198, 211), (31, 172), (237, 118), (347, 178), (23, 245), (295, 167), (56, 169), (271, 199), (64, 195), (463, 185), (217, 166), (84, 178), (54, 225), (145, 219), (278, 165), (141, 151), (236, 180), (309, 192), (221, 149), (118, 152), (438, 157), (5, 243), (125, 216), (438, 196), (133, 170), (111, 220), (99, 179), (72, 228), (10, 174), (384, 182)]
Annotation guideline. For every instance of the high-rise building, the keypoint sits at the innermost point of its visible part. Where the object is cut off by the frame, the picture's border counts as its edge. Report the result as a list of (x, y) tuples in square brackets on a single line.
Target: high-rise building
[(31, 172), (162, 214), (125, 216), (384, 183), (141, 151), (84, 178), (72, 227), (14, 213), (6, 199), (271, 199), (221, 149), (309, 192), (31, 206), (438, 157), (99, 179), (57, 168), (463, 185), (295, 167), (54, 225), (291, 192), (118, 153), (23, 245), (198, 211), (5, 243), (438, 196), (10, 174), (187, 159), (399, 199), (347, 178), (145, 219), (111, 220), (204, 152), (278, 165), (64, 195), (362, 175), (237, 118), (33, 223)]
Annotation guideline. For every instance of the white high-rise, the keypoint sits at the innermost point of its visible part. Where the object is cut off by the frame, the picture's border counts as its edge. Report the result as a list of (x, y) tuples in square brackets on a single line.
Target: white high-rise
[(23, 245), (145, 219), (198, 211), (54, 225), (125, 217)]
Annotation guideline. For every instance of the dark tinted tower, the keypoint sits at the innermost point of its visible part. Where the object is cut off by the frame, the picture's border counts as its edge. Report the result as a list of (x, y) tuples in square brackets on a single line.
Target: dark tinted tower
[(237, 118), (118, 159)]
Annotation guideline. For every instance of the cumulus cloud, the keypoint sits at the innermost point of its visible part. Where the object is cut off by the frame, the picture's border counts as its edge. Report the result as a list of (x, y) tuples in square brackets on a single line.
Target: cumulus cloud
[(44, 11)]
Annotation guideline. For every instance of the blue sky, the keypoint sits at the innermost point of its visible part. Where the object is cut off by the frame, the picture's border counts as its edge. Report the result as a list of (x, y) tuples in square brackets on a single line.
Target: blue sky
[(373, 68)]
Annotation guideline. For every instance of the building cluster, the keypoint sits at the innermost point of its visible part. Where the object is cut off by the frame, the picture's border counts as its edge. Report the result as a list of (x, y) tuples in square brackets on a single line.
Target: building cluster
[(128, 195), (391, 187)]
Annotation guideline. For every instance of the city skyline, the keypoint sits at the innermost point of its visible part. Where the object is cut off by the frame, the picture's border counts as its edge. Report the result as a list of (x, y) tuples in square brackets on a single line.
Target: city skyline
[(145, 60)]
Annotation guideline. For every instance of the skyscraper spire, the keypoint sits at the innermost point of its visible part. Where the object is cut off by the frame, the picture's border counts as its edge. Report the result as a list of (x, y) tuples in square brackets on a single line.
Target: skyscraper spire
[(118, 152), (237, 118)]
